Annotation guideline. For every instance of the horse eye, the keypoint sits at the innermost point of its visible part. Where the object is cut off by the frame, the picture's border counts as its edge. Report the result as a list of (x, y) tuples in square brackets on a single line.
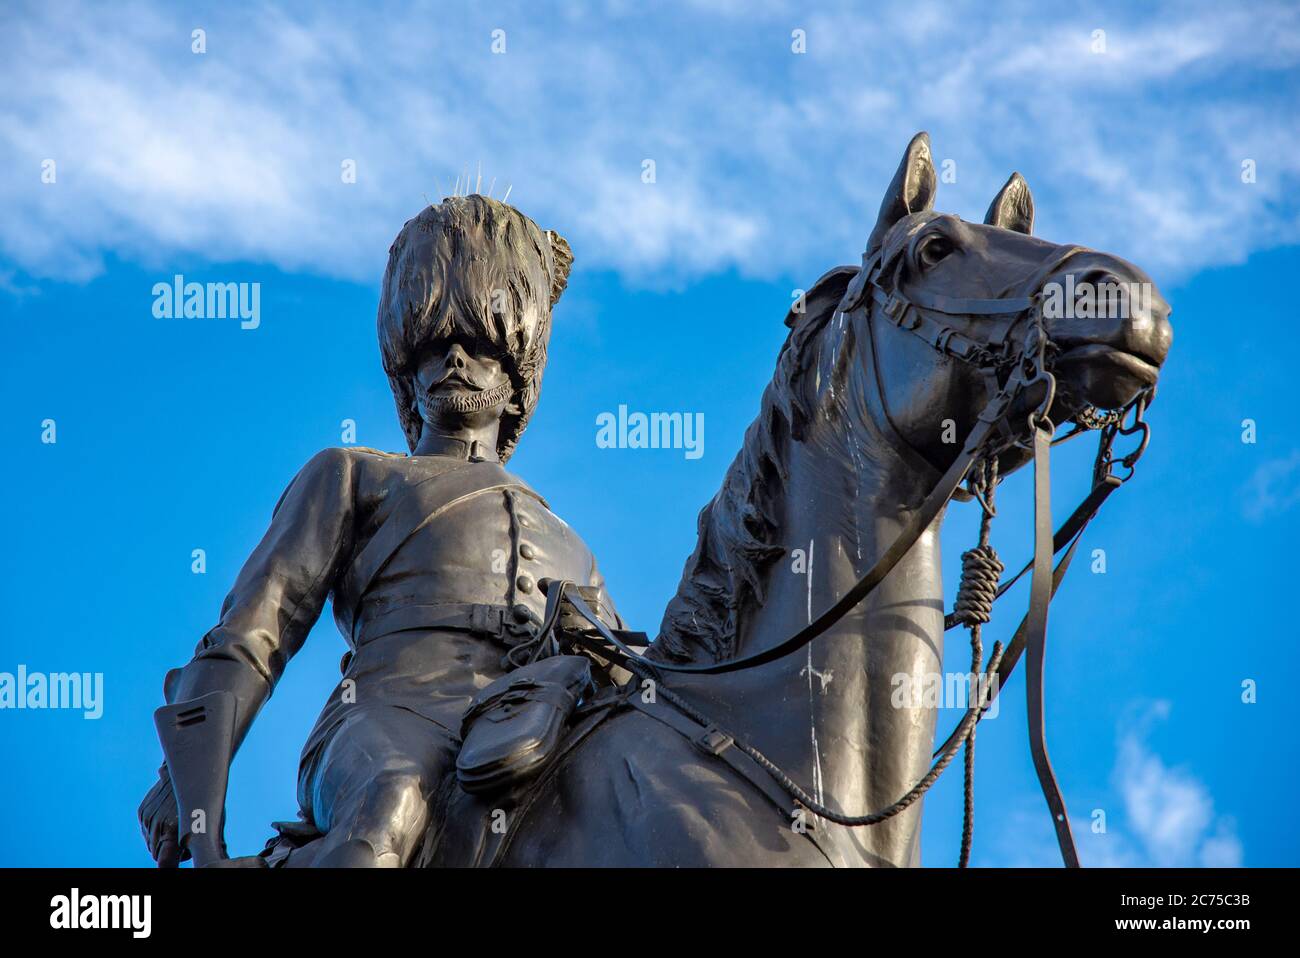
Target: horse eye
[(933, 249)]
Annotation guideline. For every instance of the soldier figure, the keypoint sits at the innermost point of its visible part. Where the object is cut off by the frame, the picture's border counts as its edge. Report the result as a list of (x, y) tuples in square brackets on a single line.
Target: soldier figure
[(433, 560)]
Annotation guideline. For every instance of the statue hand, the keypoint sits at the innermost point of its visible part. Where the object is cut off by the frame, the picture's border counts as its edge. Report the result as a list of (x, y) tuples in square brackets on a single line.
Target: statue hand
[(158, 823)]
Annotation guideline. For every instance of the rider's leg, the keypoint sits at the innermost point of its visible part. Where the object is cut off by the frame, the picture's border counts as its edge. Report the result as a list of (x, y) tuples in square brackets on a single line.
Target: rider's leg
[(369, 793)]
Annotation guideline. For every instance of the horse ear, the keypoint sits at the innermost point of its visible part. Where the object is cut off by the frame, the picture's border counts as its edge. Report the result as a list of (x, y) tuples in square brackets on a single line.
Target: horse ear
[(911, 191), (1013, 207)]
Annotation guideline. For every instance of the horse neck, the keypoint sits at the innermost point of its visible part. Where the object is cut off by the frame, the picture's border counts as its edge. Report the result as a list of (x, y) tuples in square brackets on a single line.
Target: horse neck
[(826, 713)]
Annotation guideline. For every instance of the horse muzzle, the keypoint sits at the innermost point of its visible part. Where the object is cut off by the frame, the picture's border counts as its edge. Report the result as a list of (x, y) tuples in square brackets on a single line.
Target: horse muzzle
[(1110, 328)]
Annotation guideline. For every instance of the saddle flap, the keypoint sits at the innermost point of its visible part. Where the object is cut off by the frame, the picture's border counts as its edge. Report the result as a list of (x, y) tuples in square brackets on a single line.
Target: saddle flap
[(514, 725)]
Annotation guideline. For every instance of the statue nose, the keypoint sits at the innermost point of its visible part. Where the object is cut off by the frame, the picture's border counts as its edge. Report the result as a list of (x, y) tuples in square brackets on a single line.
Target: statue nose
[(1105, 301), (456, 357)]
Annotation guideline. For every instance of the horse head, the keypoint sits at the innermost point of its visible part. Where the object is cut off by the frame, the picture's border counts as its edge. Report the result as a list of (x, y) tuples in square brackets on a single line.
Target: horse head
[(974, 289)]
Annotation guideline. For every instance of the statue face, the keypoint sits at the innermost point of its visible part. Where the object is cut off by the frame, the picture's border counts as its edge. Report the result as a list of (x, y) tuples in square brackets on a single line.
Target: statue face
[(461, 382)]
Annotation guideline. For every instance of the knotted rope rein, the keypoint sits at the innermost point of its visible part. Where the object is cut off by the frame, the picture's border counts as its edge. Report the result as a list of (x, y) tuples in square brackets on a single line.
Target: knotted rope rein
[(981, 570)]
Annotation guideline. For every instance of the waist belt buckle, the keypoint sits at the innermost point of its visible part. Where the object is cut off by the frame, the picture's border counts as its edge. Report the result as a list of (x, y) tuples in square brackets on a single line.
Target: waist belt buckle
[(486, 618), (714, 741)]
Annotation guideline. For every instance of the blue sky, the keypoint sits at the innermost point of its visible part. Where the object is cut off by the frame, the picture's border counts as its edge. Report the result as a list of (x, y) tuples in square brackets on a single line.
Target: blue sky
[(224, 166)]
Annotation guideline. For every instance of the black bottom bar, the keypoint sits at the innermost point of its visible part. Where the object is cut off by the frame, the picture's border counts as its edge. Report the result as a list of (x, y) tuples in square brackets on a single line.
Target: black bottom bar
[(390, 910)]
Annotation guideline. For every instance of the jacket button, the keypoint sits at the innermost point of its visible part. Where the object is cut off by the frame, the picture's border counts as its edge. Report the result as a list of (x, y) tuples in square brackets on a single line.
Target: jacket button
[(527, 551), (522, 613), (524, 583)]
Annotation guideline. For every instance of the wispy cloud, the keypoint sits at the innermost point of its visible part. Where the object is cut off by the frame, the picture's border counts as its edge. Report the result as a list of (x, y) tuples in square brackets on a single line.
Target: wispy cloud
[(766, 162), (1272, 488), (1169, 811), (1161, 816)]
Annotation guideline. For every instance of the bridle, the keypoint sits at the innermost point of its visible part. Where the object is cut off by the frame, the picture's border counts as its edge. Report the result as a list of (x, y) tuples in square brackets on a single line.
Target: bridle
[(1012, 363)]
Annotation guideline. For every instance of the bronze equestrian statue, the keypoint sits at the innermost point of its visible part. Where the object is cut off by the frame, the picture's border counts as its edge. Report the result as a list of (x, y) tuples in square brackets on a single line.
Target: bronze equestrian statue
[(494, 710)]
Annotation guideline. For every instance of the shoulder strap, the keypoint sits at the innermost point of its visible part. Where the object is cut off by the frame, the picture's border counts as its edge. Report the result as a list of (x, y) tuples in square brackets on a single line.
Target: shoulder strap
[(419, 505)]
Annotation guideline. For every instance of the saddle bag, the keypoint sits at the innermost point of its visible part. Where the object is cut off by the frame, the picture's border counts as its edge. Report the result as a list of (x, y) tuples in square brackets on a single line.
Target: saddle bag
[(515, 725)]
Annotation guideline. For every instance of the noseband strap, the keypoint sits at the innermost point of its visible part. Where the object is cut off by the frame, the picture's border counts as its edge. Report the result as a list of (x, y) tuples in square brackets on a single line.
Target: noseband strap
[(915, 309), (904, 314)]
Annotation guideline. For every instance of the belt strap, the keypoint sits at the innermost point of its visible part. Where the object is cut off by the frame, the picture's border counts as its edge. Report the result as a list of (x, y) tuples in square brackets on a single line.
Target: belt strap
[(944, 339), (713, 741), (492, 620)]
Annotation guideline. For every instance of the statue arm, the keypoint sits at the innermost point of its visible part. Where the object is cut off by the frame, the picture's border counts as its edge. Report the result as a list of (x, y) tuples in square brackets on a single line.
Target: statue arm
[(280, 591), (275, 601)]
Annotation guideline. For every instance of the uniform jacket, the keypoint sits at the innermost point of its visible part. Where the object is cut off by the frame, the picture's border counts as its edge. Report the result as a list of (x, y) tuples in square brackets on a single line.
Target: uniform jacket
[(429, 628)]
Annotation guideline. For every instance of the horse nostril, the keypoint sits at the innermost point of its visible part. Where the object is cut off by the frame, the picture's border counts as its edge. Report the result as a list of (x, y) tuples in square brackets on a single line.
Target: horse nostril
[(1159, 334), (1105, 305)]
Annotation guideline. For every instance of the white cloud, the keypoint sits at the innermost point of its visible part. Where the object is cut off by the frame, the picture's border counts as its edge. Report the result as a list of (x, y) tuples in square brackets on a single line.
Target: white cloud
[(1164, 817), (1168, 810), (767, 162), (1272, 488)]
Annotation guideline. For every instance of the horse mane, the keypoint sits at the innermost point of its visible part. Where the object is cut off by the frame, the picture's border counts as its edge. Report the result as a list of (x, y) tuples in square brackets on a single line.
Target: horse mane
[(738, 533)]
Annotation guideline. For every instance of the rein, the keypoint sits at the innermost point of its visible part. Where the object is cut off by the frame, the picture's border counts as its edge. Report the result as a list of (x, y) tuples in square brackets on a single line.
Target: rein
[(992, 434)]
